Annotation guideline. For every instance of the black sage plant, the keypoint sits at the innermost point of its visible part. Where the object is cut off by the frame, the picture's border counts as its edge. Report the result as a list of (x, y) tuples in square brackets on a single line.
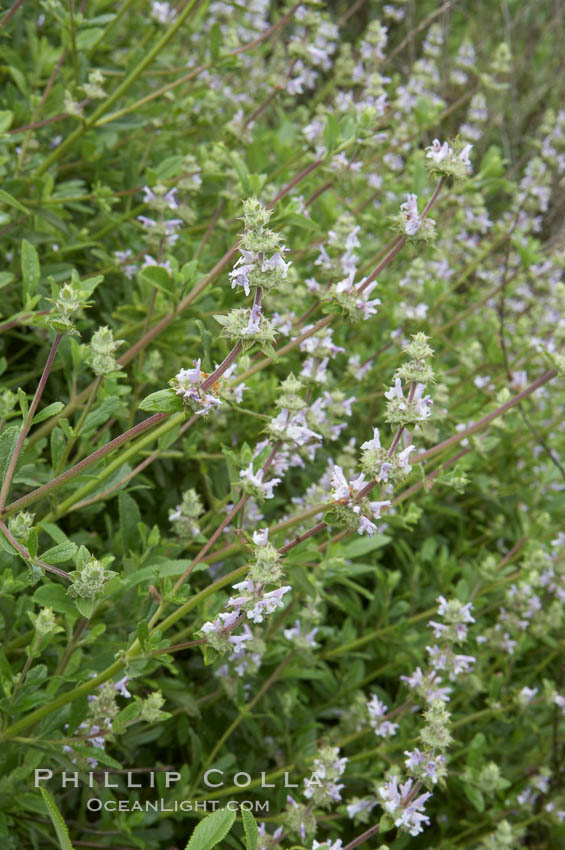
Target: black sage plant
[(282, 358)]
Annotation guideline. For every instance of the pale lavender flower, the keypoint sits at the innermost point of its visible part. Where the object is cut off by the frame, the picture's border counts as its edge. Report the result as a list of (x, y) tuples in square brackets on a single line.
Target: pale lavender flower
[(412, 220), (438, 151), (406, 812), (120, 686)]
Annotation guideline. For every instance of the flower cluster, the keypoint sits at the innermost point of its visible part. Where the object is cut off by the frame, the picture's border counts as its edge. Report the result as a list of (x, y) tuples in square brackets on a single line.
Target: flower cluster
[(449, 162), (254, 268), (69, 300), (533, 605), (403, 805), (379, 464), (443, 658), (188, 383), (100, 353), (184, 517), (96, 728), (89, 578), (253, 484), (322, 787), (253, 602), (378, 713), (351, 507), (410, 223)]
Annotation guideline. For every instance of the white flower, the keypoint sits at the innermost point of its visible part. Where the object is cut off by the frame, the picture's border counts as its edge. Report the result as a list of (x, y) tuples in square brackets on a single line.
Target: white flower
[(120, 686), (406, 812), (412, 220), (261, 538), (254, 321), (526, 695), (256, 479), (437, 151), (339, 484), (365, 525), (375, 443)]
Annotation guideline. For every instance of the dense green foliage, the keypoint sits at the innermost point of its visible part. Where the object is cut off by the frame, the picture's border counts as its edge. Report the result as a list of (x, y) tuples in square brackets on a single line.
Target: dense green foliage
[(264, 264)]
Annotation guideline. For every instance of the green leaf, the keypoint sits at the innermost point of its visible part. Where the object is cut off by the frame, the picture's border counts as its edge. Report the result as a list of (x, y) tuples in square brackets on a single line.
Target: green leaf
[(362, 545), (158, 277), (58, 443), (88, 38), (129, 519), (85, 606), (79, 710), (242, 172), (126, 716), (211, 830), (6, 279), (216, 40), (55, 596), (5, 198), (8, 440), (89, 285), (163, 401), (60, 553), (50, 410), (169, 167), (56, 820), (32, 541), (251, 829), (331, 133), (30, 269), (6, 117), (475, 797), (143, 633)]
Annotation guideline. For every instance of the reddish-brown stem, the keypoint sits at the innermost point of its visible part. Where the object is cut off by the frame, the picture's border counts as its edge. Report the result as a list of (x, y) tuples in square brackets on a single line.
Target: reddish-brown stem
[(319, 192), (25, 554), (37, 124), (210, 229), (139, 468), (294, 182), (363, 837), (10, 12), (177, 647), (397, 247), (261, 108), (27, 424), (310, 533), (12, 323), (223, 367), (202, 554), (88, 461), (472, 429)]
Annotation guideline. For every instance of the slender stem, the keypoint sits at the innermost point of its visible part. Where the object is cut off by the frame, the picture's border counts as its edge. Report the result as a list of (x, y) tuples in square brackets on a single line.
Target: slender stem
[(363, 837), (472, 429), (139, 468), (397, 246), (245, 711), (223, 367), (119, 91), (80, 423), (202, 554), (86, 462), (67, 655), (27, 424), (10, 12), (301, 537), (26, 556), (25, 670)]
